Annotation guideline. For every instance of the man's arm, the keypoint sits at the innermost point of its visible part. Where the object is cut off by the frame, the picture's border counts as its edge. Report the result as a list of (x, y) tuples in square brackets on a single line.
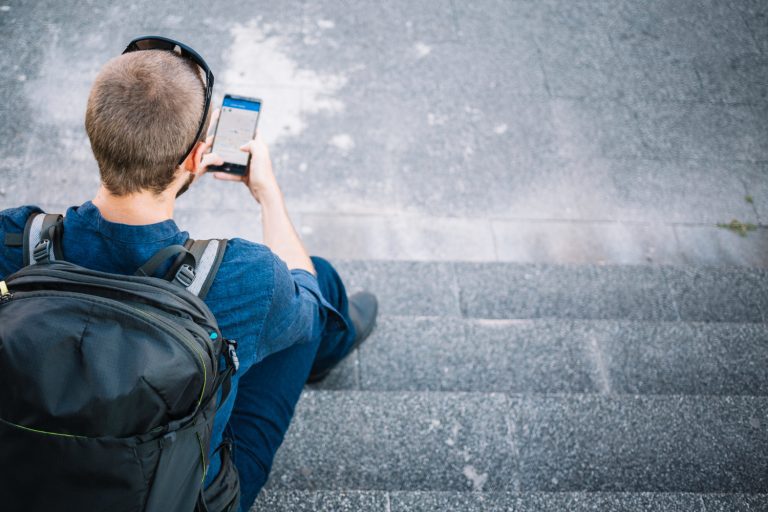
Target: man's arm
[(279, 233)]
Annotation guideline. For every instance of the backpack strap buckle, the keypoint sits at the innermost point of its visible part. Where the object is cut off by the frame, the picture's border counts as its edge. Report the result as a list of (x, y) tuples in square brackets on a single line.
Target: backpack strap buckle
[(185, 276), (232, 354), (43, 251), (42, 227), (193, 269), (207, 256)]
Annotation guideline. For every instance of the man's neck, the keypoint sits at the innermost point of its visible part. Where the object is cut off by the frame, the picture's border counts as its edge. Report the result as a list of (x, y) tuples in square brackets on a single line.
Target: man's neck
[(134, 209)]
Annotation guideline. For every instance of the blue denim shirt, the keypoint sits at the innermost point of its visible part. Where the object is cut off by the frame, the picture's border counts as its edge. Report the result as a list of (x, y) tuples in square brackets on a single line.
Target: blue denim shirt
[(256, 299)]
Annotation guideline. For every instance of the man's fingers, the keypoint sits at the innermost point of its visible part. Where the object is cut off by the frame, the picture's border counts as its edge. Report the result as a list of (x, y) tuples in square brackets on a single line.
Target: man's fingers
[(208, 160), (254, 145), (226, 176), (211, 159)]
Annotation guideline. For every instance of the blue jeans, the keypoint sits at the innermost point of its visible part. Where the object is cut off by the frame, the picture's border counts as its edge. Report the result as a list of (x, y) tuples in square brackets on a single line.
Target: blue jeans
[(269, 390)]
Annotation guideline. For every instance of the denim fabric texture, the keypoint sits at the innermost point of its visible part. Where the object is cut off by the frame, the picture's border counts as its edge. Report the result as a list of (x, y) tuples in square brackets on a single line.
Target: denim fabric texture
[(269, 391), (278, 317)]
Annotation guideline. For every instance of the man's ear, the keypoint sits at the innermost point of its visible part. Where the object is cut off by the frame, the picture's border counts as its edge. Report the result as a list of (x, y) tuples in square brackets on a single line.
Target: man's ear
[(192, 162)]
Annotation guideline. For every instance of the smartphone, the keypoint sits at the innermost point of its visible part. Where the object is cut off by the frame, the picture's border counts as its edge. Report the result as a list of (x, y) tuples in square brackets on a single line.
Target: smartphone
[(236, 125)]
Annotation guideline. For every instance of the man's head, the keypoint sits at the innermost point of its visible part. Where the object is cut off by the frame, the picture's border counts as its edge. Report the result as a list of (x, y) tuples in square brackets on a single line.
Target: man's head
[(143, 113)]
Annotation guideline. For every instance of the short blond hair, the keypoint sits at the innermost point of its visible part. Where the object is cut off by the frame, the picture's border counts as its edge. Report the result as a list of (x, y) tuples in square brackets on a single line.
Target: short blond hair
[(143, 113)]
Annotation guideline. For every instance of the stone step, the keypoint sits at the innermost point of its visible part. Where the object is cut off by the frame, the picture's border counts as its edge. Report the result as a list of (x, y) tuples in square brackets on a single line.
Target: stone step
[(449, 441), (558, 356), (396, 235), (515, 290), (420, 501)]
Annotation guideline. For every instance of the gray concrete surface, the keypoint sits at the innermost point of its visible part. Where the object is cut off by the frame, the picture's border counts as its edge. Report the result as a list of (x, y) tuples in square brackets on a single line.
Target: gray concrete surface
[(522, 291), (610, 378), (448, 441), (566, 319), (558, 357), (398, 441), (556, 131), (421, 501)]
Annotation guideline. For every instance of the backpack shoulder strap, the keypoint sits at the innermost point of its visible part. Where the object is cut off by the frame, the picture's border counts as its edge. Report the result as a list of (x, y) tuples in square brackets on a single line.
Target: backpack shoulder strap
[(208, 255), (42, 238), (195, 266)]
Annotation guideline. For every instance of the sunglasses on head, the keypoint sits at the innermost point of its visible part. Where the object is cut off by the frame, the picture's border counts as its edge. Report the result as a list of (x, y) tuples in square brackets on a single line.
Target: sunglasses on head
[(163, 43)]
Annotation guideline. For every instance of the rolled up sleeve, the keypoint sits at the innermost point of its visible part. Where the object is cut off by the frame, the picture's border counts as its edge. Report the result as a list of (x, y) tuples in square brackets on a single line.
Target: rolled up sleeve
[(295, 312)]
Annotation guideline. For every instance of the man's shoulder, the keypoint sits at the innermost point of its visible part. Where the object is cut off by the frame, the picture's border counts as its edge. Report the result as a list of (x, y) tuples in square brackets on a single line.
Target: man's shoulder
[(246, 265), (244, 251), (12, 220)]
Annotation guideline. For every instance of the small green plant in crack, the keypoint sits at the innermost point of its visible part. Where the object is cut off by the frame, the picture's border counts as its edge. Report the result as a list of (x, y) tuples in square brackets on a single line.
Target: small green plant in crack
[(749, 199), (741, 228)]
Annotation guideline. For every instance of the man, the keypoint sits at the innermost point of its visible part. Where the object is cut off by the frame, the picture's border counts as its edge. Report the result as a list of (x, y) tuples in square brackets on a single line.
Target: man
[(289, 313)]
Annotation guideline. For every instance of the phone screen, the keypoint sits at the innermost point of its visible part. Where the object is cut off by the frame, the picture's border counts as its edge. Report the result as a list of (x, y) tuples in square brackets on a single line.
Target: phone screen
[(236, 126)]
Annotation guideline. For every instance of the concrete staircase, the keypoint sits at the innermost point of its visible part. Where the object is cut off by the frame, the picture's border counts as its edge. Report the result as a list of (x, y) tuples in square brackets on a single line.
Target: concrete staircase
[(499, 386)]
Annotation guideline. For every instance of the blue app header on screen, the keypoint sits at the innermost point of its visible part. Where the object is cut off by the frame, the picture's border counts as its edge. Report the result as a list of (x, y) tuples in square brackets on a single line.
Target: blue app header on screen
[(243, 104)]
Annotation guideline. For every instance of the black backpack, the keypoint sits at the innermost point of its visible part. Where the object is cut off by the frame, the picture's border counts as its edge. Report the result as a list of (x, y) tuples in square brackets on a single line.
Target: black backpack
[(109, 383)]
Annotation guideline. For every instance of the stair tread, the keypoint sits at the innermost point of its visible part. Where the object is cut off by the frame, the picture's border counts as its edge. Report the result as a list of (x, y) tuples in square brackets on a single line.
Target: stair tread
[(515, 290), (494, 441), (559, 356)]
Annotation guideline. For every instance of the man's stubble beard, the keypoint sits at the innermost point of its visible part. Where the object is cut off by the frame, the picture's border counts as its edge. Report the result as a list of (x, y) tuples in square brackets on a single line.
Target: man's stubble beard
[(186, 186)]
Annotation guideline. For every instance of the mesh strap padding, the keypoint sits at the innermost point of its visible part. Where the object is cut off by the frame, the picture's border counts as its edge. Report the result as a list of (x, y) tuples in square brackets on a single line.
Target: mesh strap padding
[(204, 266), (34, 236)]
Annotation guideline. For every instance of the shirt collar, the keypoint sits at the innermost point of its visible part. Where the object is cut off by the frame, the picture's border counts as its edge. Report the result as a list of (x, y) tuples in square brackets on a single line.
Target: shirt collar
[(147, 233)]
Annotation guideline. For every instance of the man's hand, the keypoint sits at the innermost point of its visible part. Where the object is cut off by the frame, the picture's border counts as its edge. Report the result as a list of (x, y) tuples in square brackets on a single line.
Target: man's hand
[(260, 177), (208, 160), (279, 233)]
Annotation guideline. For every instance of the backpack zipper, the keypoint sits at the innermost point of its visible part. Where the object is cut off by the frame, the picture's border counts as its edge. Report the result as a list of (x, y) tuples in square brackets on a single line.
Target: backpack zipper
[(5, 294)]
